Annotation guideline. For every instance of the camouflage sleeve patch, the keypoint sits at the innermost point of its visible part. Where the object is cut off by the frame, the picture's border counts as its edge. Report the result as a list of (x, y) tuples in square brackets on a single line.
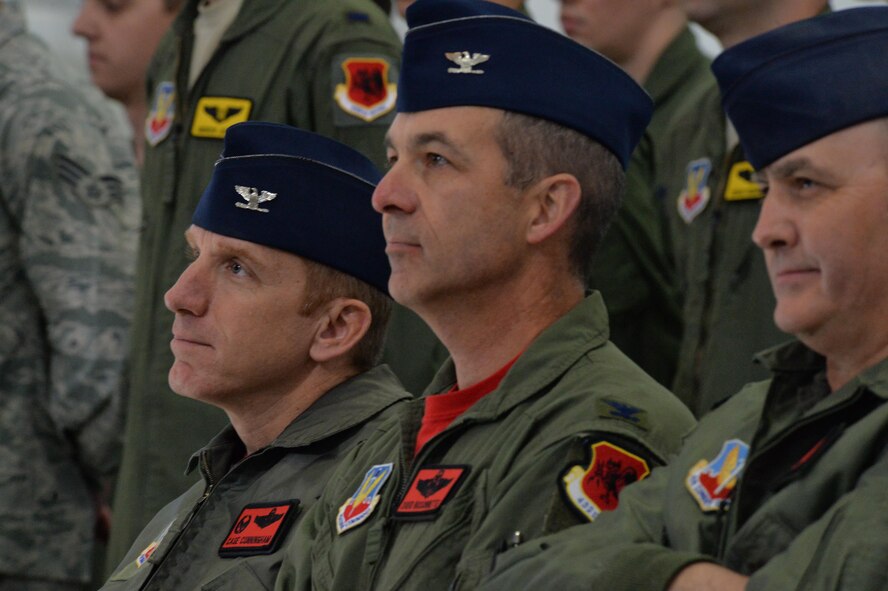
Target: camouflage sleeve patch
[(364, 89)]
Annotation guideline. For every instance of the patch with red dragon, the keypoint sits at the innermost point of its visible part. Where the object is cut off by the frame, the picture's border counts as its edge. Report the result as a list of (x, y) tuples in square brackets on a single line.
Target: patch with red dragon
[(366, 91), (595, 488)]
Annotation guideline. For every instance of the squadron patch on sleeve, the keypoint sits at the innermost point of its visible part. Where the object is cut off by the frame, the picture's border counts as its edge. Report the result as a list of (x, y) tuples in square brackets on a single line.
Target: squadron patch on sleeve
[(365, 89), (358, 507), (162, 113), (711, 483), (696, 194), (430, 489), (741, 186), (259, 529), (596, 487), (215, 114)]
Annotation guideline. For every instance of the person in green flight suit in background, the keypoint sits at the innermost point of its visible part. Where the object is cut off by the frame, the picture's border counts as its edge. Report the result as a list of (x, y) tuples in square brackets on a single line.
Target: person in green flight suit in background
[(712, 207), (634, 268)]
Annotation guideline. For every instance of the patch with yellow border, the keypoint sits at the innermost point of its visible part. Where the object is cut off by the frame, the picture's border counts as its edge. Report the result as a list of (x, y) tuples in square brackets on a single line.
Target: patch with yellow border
[(365, 89), (741, 186), (596, 487), (215, 114)]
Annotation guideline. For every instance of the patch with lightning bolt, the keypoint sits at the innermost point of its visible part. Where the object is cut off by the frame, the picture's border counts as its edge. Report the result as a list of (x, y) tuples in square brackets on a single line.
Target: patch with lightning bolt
[(358, 507), (711, 483), (215, 114)]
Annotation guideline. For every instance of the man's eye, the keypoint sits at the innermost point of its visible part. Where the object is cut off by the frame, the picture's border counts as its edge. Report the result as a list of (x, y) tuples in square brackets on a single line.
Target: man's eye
[(237, 268), (436, 159)]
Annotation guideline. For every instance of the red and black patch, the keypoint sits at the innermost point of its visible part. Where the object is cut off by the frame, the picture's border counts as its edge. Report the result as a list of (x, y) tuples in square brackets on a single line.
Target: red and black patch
[(259, 529), (430, 490)]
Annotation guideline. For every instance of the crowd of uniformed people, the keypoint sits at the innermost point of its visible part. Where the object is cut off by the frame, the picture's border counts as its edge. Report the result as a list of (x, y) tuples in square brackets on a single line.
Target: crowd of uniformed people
[(492, 307)]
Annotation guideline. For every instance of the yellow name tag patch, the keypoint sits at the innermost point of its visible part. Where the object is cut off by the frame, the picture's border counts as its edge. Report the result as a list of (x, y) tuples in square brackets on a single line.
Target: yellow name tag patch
[(740, 185), (215, 114)]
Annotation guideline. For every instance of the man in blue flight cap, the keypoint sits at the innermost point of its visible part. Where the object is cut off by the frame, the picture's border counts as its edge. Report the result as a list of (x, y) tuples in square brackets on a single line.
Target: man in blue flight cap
[(279, 321), (783, 486), (507, 161)]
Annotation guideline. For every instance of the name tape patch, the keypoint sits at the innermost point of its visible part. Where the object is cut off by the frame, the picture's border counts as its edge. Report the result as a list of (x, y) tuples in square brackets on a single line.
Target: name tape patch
[(259, 529), (430, 490)]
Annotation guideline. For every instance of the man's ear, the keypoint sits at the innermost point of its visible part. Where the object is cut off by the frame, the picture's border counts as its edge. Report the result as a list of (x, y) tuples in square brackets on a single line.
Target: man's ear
[(555, 199), (342, 325)]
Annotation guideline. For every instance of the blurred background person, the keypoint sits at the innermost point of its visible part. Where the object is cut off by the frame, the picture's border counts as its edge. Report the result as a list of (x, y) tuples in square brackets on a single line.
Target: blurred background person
[(634, 270), (727, 298), (68, 218), (121, 37)]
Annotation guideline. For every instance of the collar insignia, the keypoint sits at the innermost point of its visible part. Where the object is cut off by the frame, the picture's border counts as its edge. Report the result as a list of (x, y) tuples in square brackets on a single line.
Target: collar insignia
[(465, 61), (253, 198)]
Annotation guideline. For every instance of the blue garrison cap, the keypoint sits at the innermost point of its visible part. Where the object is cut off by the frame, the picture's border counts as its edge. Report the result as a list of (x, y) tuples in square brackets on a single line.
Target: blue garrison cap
[(300, 192), (801, 82), (476, 53)]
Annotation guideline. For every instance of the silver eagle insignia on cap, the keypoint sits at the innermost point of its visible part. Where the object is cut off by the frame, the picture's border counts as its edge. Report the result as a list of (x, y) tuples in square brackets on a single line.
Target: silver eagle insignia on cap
[(253, 198), (465, 61)]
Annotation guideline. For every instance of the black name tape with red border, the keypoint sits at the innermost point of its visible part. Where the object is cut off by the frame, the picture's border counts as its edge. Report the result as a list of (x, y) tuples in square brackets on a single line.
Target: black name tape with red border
[(259, 529), (431, 488)]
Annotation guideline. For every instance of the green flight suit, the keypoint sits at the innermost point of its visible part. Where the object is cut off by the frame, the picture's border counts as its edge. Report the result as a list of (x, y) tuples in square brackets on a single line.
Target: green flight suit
[(634, 269), (572, 408), (192, 543), (281, 61), (728, 304), (807, 513)]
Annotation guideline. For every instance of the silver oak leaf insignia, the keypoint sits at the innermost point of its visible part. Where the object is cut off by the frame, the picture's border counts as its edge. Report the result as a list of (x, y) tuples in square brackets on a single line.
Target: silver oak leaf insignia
[(465, 61), (253, 198)]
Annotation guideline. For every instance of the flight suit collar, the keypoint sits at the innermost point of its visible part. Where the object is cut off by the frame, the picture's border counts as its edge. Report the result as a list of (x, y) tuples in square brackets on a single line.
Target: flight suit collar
[(347, 405), (548, 357), (796, 358), (675, 65), (253, 13)]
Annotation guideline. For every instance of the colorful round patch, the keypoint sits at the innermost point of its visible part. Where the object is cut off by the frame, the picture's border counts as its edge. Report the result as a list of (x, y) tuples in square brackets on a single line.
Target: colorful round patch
[(367, 93)]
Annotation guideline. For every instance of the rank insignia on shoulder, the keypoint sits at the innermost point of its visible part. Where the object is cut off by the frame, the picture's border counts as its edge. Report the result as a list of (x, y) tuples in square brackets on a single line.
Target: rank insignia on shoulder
[(741, 186), (366, 92), (259, 529), (711, 483), (596, 487), (162, 113), (696, 194), (431, 488), (614, 409), (358, 507), (215, 114), (466, 61)]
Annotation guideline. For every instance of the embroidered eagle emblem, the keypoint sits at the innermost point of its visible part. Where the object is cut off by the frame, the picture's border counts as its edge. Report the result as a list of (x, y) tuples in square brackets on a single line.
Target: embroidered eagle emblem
[(466, 61), (253, 198)]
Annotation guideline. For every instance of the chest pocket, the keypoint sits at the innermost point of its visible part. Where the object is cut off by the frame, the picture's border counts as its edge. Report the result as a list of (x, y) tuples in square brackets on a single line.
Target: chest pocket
[(439, 543), (241, 576)]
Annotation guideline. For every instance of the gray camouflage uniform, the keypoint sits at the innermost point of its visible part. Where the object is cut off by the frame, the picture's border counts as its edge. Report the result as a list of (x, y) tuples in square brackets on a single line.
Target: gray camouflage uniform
[(68, 222)]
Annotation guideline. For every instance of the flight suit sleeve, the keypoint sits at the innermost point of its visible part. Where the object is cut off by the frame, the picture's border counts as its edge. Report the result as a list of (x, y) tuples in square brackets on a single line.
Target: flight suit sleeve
[(78, 207), (842, 551), (351, 77), (510, 537), (622, 549)]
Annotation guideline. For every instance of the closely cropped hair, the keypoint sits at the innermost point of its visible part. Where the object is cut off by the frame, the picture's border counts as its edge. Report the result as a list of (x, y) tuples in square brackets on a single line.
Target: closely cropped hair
[(535, 148), (326, 284)]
